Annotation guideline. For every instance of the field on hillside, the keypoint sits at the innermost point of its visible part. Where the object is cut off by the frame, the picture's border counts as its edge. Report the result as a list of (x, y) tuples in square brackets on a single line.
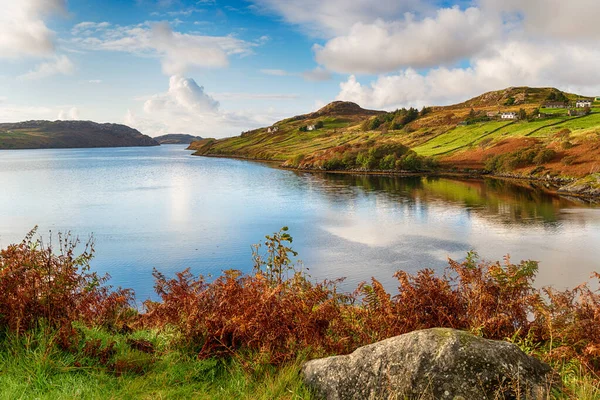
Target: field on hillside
[(462, 136)]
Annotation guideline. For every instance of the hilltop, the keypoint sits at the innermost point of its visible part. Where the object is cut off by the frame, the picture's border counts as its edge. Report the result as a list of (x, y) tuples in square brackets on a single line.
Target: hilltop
[(69, 134), (176, 138), (506, 132)]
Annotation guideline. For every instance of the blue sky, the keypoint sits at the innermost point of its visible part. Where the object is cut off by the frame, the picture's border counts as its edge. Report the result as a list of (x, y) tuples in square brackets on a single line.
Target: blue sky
[(216, 68)]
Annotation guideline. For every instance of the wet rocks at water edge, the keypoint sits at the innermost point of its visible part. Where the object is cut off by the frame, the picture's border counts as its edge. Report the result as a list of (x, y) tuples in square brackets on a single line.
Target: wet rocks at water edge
[(435, 363)]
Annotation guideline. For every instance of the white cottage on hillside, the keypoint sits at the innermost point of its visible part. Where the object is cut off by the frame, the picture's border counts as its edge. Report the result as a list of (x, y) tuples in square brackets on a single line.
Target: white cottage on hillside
[(508, 115), (272, 129), (310, 128), (583, 103)]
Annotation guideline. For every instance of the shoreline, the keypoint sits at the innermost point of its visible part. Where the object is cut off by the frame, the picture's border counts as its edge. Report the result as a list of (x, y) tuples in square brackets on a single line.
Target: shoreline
[(548, 184)]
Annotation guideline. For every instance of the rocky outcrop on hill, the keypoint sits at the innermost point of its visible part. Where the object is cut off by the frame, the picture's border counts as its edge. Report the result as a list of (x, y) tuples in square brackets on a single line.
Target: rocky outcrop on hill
[(430, 364)]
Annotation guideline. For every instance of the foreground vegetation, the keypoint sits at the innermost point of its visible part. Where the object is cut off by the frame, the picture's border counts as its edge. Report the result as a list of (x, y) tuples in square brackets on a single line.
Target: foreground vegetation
[(64, 333)]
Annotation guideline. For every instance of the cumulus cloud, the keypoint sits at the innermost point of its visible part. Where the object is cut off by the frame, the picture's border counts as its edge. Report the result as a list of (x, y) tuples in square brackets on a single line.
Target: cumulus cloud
[(23, 31), (178, 51), (71, 114), (553, 18), (59, 65), (513, 63), (379, 47), (185, 95), (186, 107)]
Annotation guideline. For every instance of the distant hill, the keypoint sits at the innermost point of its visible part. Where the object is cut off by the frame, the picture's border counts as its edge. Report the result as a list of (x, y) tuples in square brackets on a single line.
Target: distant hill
[(506, 132), (177, 138), (69, 134)]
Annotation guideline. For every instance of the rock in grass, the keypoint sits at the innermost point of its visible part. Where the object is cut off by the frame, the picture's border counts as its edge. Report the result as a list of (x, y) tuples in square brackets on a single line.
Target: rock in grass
[(435, 363)]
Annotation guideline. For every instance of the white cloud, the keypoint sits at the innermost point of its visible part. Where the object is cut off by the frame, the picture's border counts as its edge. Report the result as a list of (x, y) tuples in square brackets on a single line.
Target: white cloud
[(559, 19), (95, 81), (71, 114), (328, 18), (88, 28), (186, 107), (184, 94), (513, 63), (23, 31), (59, 65), (381, 46), (178, 51)]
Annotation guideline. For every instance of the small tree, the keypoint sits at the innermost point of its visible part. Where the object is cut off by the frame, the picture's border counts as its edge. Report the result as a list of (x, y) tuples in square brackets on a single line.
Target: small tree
[(319, 125), (522, 114)]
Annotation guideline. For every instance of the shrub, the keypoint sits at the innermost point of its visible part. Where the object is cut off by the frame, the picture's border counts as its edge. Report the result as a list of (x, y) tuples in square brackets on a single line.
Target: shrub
[(388, 162), (566, 145), (39, 286), (333, 163), (544, 156)]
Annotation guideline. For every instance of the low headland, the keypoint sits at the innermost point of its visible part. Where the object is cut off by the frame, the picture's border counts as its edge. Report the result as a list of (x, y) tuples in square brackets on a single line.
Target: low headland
[(529, 133), (65, 333), (69, 134), (176, 138)]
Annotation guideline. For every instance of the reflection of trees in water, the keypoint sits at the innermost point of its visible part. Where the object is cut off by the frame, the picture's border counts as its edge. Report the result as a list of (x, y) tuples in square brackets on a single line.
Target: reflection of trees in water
[(497, 200)]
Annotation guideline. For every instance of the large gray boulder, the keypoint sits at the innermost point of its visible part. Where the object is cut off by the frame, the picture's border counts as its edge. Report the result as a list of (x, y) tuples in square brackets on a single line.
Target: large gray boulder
[(435, 363)]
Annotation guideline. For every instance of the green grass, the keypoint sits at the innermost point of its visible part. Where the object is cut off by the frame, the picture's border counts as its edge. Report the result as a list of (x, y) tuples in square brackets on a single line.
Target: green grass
[(31, 367), (460, 137)]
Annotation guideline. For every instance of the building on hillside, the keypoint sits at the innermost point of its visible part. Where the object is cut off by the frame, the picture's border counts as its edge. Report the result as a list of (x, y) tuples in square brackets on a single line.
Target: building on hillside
[(583, 103), (272, 129), (310, 128), (508, 115), (555, 104), (492, 114)]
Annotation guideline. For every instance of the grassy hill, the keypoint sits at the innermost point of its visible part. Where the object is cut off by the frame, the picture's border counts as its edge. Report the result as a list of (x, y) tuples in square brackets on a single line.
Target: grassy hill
[(176, 138), (69, 134), (465, 136)]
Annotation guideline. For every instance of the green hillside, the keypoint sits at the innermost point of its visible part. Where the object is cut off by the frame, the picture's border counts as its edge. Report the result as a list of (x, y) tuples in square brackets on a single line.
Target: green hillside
[(69, 134), (459, 137)]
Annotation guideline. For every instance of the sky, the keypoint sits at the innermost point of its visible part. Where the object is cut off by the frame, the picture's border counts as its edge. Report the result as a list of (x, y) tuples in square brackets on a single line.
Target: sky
[(216, 68)]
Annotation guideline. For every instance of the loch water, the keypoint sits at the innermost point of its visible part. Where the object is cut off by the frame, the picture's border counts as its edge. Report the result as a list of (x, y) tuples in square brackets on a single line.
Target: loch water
[(160, 207)]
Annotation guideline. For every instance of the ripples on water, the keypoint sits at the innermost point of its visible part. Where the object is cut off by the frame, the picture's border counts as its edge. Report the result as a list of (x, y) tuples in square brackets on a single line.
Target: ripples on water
[(161, 207)]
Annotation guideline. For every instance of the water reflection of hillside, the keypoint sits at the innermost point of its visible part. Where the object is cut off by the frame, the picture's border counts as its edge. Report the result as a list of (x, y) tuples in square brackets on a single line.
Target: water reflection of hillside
[(498, 201)]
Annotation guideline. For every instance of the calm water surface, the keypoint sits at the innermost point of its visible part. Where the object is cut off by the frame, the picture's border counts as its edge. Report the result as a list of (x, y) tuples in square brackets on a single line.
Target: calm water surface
[(160, 207)]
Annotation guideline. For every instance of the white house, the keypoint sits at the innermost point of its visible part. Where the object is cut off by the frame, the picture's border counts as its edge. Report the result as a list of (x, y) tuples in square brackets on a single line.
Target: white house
[(310, 128), (583, 103), (272, 129), (508, 115)]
